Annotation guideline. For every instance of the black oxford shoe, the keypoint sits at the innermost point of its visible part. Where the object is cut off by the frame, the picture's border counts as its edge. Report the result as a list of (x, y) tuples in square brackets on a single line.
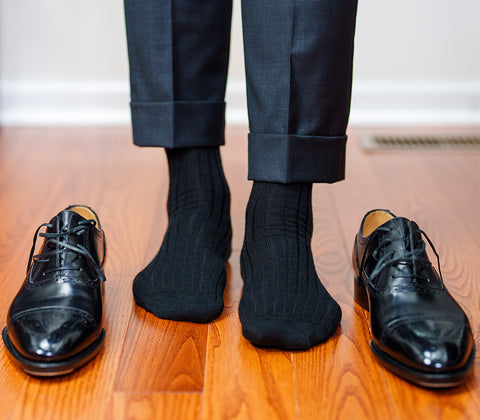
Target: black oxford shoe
[(54, 324), (418, 330)]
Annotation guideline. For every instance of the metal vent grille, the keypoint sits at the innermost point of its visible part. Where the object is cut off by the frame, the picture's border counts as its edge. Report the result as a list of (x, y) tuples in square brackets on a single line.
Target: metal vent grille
[(420, 142)]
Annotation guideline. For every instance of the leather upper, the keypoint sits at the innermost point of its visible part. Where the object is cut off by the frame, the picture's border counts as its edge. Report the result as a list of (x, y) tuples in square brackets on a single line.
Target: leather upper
[(413, 317), (58, 310)]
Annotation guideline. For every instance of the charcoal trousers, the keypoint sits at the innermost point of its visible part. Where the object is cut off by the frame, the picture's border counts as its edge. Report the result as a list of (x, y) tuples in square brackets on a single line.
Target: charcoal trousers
[(298, 62)]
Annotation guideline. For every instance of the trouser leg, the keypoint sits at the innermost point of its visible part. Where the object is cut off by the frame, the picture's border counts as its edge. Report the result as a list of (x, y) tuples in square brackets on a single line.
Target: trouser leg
[(298, 58), (178, 55)]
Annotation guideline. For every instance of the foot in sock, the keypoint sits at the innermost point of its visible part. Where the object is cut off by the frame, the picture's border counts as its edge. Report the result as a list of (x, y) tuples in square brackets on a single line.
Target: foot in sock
[(186, 279), (284, 305)]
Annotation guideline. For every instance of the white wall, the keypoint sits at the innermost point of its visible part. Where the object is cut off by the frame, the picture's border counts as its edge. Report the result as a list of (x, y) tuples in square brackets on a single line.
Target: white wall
[(417, 61), (65, 61)]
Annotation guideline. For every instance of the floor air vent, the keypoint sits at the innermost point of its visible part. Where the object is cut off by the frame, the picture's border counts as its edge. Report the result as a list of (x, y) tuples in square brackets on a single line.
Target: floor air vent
[(420, 142)]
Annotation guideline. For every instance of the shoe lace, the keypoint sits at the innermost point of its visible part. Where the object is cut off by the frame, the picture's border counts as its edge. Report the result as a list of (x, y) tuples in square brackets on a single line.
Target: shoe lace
[(415, 256), (59, 239)]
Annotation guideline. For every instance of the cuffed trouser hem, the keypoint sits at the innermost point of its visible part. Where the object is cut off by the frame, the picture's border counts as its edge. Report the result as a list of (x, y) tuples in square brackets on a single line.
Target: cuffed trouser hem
[(291, 158), (178, 124)]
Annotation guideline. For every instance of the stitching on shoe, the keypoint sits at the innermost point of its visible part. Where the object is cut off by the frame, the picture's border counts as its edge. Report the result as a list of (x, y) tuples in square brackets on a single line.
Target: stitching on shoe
[(424, 290), (397, 323), (62, 279), (86, 315)]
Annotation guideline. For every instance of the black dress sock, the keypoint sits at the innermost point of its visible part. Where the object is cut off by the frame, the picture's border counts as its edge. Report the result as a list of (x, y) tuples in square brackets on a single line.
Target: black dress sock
[(186, 279), (284, 304)]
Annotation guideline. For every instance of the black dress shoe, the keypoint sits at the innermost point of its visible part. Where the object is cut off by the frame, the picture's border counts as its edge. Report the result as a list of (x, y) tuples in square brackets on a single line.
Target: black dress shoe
[(418, 330), (54, 324)]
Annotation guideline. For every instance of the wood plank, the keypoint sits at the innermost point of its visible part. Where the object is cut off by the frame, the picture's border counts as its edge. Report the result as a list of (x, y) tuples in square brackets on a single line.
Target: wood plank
[(85, 393), (407, 187), (162, 355), (178, 355), (16, 240), (336, 379), (147, 406), (459, 253), (148, 364), (458, 178), (12, 384), (242, 381)]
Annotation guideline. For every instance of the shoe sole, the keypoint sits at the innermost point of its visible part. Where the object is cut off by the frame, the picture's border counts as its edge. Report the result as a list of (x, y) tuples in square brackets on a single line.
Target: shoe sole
[(54, 368), (424, 379), (417, 377)]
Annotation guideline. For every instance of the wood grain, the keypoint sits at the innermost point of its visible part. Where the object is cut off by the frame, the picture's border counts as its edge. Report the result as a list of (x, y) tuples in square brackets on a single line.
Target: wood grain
[(161, 355), (338, 379), (258, 382), (459, 263), (152, 368), (147, 406), (405, 185), (84, 179)]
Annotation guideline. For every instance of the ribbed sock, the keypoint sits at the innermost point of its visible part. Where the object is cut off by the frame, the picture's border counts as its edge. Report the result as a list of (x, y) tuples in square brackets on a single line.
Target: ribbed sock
[(186, 279), (284, 305)]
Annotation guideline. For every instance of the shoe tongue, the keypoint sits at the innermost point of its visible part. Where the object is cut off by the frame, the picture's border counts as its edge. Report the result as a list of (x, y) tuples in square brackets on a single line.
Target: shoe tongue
[(401, 228), (399, 224), (63, 221)]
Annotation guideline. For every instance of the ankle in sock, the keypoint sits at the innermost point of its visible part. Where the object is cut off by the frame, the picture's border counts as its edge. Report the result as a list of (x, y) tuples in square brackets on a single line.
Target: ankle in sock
[(186, 279), (284, 305)]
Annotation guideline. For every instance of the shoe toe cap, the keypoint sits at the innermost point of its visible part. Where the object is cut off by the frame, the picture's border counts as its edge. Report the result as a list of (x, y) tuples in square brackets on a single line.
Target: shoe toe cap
[(52, 334), (430, 345)]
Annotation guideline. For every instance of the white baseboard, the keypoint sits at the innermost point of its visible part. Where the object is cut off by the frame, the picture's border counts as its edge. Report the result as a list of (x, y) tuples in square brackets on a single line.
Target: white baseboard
[(64, 103), (415, 103), (106, 103)]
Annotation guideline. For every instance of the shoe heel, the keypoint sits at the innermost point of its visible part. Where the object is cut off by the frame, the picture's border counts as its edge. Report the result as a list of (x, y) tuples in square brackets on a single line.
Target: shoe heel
[(360, 293)]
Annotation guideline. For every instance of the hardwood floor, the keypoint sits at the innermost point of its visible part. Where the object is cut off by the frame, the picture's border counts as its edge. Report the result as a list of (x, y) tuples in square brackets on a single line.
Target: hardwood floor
[(152, 368)]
